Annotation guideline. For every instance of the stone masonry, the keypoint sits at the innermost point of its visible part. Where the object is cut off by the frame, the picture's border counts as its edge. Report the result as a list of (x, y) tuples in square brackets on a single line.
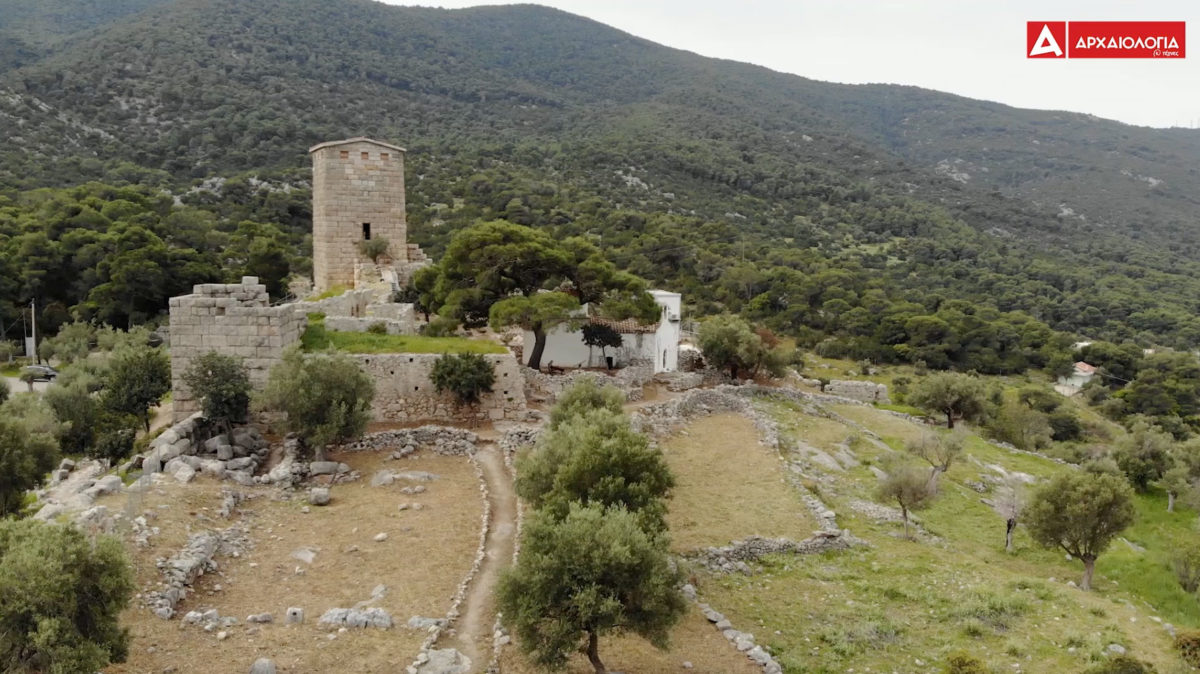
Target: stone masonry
[(404, 392), (234, 319), (358, 193)]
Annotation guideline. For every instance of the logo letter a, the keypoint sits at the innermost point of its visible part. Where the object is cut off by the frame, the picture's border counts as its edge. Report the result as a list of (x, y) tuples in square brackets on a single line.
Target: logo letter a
[(1046, 44)]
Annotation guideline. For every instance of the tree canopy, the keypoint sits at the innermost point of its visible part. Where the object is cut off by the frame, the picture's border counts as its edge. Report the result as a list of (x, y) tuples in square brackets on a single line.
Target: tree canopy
[(1081, 513), (588, 572), (325, 397)]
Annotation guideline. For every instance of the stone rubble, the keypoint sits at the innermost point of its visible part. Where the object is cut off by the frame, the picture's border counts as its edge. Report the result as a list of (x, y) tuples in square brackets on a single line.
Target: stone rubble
[(734, 557), (349, 617)]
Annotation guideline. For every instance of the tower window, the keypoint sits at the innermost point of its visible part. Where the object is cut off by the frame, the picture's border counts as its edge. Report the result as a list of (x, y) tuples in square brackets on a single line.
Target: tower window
[(345, 154), (366, 155), (366, 231), (383, 156)]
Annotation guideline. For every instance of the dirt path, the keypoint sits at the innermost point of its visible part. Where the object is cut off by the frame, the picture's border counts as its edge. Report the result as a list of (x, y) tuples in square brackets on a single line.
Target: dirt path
[(474, 634)]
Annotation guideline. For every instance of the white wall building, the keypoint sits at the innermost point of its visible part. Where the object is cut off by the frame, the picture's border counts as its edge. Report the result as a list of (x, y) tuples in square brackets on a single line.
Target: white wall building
[(648, 343)]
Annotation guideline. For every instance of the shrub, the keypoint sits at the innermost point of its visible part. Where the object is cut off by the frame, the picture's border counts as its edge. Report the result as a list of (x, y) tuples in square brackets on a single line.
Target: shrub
[(63, 595), (377, 328), (373, 248), (440, 327), (1185, 562), (467, 376), (326, 397), (1188, 644), (4, 391), (1121, 664)]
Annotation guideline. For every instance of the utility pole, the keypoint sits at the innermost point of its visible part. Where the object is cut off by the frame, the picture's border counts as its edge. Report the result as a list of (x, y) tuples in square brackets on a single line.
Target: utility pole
[(33, 319)]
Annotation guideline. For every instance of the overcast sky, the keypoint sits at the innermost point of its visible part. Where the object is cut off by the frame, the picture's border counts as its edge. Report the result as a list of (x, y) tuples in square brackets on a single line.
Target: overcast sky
[(960, 46)]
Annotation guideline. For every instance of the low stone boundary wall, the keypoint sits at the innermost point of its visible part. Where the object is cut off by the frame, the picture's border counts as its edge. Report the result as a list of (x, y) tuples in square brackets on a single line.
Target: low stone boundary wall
[(733, 557), (404, 391)]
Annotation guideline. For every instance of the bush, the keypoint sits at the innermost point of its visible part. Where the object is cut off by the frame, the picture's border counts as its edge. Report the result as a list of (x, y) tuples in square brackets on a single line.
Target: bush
[(326, 397), (964, 663), (63, 595), (1185, 562), (1188, 644), (467, 376), (1121, 664), (440, 327), (4, 391), (377, 328), (373, 248)]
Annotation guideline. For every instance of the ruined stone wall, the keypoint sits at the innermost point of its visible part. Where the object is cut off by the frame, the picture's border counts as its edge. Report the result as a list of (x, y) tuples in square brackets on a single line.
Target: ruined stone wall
[(404, 392), (355, 182), (350, 303), (235, 320), (866, 391), (394, 326)]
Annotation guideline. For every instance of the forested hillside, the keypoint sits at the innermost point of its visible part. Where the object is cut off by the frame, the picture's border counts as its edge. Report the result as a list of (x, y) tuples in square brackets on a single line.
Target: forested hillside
[(885, 222)]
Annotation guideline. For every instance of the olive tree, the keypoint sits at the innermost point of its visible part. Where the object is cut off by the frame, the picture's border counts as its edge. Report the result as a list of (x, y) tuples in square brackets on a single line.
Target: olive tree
[(324, 397), (597, 458), (27, 454), (590, 572), (949, 393), (137, 379), (64, 593), (909, 487), (222, 385), (939, 451), (1081, 513), (466, 376), (582, 397)]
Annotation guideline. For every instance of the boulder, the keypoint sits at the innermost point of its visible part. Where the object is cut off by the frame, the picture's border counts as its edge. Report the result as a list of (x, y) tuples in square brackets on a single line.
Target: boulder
[(323, 467), (67, 465), (185, 474), (263, 666), (295, 615), (224, 452), (242, 477), (318, 496), (244, 463)]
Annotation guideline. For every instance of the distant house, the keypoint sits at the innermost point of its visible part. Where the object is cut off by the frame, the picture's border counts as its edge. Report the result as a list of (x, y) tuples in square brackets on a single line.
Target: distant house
[(1079, 377), (650, 343)]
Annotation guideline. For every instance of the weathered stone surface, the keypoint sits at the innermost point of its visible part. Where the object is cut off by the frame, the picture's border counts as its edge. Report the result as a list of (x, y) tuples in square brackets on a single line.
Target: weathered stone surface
[(319, 496), (295, 615), (323, 467), (348, 617), (445, 661), (263, 666)]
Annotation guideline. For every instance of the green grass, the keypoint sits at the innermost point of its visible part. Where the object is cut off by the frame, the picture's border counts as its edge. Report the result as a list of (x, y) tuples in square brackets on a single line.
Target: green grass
[(317, 338), (332, 292), (903, 409), (898, 603)]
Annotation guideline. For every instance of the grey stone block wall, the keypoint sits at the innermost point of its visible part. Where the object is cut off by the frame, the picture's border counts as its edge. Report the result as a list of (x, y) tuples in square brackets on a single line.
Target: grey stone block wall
[(404, 392), (234, 319), (355, 182)]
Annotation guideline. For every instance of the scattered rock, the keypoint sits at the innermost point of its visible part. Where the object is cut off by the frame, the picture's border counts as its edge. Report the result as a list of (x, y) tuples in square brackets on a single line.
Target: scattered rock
[(295, 615), (1115, 649), (318, 496), (263, 666), (260, 618), (306, 555), (348, 617), (381, 537)]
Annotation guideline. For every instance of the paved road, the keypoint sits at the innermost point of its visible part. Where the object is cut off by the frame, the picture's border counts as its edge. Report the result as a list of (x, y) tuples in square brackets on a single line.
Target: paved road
[(17, 386)]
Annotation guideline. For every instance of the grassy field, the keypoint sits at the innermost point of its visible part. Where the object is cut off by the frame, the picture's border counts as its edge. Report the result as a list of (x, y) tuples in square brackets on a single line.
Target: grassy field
[(728, 486), (904, 605), (316, 338)]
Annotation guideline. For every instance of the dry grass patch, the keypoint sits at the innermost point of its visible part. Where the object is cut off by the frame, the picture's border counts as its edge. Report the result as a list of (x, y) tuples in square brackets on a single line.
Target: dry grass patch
[(425, 556), (728, 486), (694, 640)]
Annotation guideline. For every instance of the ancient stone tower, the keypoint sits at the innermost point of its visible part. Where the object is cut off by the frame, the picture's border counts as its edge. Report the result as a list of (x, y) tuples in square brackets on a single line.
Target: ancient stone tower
[(358, 194)]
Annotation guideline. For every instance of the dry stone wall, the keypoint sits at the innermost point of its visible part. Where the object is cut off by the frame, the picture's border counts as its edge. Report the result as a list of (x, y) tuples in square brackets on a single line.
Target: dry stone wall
[(404, 392), (232, 319), (864, 391)]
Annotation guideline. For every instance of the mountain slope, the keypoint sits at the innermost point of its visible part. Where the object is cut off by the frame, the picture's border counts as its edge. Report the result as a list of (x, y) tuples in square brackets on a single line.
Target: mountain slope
[(685, 166)]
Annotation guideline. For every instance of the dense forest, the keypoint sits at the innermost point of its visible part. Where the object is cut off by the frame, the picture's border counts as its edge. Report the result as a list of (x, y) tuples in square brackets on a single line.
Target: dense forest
[(152, 144)]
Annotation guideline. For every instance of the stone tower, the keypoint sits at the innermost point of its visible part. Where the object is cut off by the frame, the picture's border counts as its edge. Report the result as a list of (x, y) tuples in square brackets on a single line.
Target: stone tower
[(358, 193)]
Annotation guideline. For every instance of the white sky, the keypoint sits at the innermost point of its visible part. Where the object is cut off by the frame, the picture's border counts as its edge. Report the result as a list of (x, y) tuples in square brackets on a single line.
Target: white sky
[(964, 47)]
